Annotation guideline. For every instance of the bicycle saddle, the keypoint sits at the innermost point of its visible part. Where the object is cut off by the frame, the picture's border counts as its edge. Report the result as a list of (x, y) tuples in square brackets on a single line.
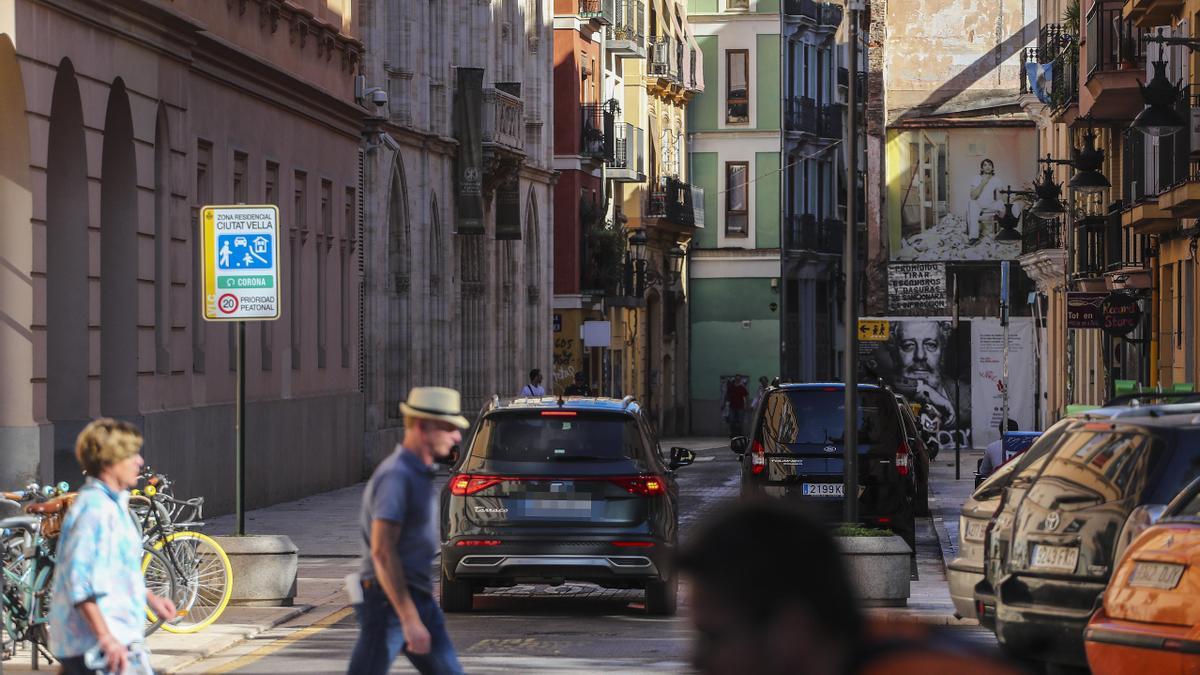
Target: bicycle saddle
[(50, 506), (19, 522)]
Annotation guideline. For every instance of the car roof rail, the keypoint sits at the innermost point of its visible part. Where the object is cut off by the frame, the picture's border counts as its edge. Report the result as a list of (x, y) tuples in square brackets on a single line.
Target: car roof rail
[(626, 401)]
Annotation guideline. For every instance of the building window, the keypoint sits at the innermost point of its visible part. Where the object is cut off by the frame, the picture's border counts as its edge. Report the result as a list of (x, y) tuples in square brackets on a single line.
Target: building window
[(737, 198), (267, 328), (299, 235), (345, 284), (324, 244), (737, 4), (737, 86)]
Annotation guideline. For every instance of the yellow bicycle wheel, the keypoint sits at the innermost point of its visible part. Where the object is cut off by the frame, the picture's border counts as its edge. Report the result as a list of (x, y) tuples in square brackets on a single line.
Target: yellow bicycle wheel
[(203, 580)]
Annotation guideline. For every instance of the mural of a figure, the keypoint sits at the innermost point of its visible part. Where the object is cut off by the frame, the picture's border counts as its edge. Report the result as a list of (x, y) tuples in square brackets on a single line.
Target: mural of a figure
[(984, 203), (926, 361)]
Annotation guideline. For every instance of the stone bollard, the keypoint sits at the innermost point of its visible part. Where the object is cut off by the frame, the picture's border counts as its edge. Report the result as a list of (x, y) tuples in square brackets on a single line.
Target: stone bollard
[(879, 568), (264, 569)]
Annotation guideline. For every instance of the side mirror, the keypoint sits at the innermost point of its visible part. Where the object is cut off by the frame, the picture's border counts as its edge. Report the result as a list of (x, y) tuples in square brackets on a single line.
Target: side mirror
[(1139, 520), (681, 457), (738, 444)]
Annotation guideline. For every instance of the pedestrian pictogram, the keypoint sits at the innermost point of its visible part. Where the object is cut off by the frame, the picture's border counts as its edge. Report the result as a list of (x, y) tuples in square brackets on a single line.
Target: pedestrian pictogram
[(241, 262)]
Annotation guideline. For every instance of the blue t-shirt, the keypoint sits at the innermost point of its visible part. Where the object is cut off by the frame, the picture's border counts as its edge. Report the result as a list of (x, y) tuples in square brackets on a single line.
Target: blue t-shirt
[(401, 491)]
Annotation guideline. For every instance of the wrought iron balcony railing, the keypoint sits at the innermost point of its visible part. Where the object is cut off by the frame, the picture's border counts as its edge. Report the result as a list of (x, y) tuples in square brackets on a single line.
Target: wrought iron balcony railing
[(1113, 43), (605, 11), (805, 232), (803, 9), (597, 130), (627, 149), (1040, 235), (630, 22)]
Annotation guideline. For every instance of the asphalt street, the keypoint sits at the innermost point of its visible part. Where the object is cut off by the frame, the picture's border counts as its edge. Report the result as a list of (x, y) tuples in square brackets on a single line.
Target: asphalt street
[(529, 629)]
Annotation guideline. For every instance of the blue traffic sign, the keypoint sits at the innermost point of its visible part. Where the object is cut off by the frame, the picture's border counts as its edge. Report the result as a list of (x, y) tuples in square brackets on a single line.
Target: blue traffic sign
[(245, 252)]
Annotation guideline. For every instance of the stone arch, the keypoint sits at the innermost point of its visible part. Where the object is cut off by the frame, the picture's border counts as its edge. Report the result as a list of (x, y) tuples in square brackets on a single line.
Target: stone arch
[(67, 401), (19, 454), (162, 242), (396, 358), (533, 283), (118, 260)]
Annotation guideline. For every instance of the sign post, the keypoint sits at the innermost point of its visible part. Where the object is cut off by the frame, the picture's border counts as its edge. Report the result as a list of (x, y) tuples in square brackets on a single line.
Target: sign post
[(240, 274), (1004, 277)]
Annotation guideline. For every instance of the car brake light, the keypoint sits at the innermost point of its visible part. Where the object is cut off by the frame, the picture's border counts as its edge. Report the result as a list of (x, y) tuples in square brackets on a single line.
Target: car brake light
[(758, 458), (558, 413), (468, 485), (633, 544), (478, 542), (646, 486), (903, 457)]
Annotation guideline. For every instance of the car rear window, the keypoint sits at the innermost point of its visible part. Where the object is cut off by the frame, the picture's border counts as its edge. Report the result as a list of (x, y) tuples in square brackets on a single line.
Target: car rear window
[(556, 436), (818, 416), (1112, 465)]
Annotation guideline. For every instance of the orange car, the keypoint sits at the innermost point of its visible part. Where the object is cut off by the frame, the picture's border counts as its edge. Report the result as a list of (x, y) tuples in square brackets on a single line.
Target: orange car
[(1150, 621)]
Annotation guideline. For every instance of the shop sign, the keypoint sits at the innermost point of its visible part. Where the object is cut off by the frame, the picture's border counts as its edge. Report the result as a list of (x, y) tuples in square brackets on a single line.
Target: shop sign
[(1083, 309), (1122, 315)]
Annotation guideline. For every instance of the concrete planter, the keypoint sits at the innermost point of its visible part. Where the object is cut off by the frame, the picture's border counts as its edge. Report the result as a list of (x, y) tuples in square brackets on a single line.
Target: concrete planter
[(879, 569), (264, 569)]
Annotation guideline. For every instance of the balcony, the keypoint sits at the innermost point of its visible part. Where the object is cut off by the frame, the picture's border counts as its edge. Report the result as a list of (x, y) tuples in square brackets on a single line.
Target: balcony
[(1097, 246), (602, 11), (503, 132), (807, 233), (1142, 213), (829, 15), (627, 37), (804, 116), (802, 10), (1041, 235), (1115, 60), (1178, 173), (1150, 13), (597, 131), (628, 163), (1183, 200), (665, 62), (673, 201), (1058, 47)]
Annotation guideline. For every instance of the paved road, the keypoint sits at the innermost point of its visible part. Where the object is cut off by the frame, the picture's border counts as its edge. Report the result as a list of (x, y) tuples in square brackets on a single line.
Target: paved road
[(529, 629)]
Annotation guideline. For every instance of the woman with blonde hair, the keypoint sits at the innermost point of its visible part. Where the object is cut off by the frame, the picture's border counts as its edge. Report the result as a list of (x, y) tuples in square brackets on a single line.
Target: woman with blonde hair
[(99, 598)]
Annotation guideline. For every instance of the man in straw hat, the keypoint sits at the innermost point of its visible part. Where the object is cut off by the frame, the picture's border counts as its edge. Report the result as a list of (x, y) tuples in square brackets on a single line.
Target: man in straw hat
[(397, 610)]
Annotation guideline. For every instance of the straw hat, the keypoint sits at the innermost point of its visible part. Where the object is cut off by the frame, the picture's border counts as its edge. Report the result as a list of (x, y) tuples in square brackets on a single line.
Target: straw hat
[(435, 403)]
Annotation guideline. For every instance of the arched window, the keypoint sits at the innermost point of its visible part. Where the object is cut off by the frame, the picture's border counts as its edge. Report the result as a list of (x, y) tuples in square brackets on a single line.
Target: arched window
[(396, 364)]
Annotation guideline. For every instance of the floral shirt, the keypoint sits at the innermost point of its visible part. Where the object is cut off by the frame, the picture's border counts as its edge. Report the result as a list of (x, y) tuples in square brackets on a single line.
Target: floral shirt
[(99, 558)]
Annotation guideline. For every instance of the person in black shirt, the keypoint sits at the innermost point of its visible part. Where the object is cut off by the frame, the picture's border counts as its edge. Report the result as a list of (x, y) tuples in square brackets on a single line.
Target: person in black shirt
[(579, 387)]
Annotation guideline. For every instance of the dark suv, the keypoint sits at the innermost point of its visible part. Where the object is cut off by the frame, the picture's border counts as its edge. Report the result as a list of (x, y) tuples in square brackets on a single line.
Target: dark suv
[(553, 490), (795, 451), (1066, 529)]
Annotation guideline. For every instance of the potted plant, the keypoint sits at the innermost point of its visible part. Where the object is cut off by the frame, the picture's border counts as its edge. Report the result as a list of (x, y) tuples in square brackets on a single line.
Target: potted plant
[(878, 563)]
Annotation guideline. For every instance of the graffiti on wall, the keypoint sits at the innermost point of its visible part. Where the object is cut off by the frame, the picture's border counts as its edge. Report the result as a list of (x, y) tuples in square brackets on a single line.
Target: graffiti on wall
[(567, 355)]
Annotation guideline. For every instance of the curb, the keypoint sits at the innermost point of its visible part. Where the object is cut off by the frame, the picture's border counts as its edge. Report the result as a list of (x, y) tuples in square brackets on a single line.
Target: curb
[(945, 546)]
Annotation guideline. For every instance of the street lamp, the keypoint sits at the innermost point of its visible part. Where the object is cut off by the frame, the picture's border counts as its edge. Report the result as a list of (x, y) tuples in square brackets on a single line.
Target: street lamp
[(1159, 117), (676, 255), (1087, 163), (637, 248)]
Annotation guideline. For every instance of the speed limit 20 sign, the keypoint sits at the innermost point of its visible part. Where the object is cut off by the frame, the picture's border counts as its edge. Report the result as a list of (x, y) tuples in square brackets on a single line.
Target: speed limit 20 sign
[(240, 262)]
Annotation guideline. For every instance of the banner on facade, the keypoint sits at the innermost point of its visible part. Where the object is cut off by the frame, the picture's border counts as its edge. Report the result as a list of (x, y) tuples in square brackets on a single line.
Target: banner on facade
[(987, 377), (916, 286), (927, 360), (508, 208), (1084, 309), (468, 130)]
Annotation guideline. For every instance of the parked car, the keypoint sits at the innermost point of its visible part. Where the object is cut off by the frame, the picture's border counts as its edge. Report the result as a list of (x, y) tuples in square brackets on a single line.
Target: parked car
[(1065, 531), (795, 451), (1150, 620), (921, 456), (547, 492), (966, 571)]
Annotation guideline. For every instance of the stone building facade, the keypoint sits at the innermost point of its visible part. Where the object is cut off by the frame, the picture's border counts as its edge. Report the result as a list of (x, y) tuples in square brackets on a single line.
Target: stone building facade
[(451, 298), (119, 121)]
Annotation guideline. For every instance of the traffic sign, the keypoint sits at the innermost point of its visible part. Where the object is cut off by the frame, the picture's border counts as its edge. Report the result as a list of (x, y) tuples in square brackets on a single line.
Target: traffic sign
[(240, 262), (873, 330)]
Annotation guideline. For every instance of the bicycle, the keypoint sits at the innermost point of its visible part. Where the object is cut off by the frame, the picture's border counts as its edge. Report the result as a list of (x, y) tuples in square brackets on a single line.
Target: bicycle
[(27, 544), (200, 568)]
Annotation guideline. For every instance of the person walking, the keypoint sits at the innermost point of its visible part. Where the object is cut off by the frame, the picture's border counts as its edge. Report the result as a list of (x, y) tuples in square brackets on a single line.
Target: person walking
[(99, 597), (534, 386), (400, 537), (735, 397)]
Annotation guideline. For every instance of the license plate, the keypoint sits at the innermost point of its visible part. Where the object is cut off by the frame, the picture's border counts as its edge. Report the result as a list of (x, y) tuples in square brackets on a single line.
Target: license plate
[(1155, 575), (974, 529), (824, 489), (1058, 558), (559, 508)]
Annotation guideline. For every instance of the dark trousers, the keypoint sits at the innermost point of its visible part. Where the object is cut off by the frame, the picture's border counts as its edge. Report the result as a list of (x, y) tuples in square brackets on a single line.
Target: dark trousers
[(381, 638)]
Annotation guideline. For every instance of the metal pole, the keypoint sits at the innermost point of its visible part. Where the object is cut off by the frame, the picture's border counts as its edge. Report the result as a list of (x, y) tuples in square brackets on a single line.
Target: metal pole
[(957, 405), (240, 429), (850, 308), (1004, 309)]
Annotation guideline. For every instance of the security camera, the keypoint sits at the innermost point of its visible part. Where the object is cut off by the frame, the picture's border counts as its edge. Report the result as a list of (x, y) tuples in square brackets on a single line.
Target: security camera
[(379, 97)]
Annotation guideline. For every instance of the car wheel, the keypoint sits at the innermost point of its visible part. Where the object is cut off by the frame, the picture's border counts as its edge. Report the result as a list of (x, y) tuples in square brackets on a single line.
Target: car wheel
[(457, 596), (662, 597)]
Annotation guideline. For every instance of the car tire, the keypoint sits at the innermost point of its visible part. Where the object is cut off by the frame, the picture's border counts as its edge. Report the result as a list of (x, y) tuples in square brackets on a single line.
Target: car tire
[(457, 596), (662, 597)]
